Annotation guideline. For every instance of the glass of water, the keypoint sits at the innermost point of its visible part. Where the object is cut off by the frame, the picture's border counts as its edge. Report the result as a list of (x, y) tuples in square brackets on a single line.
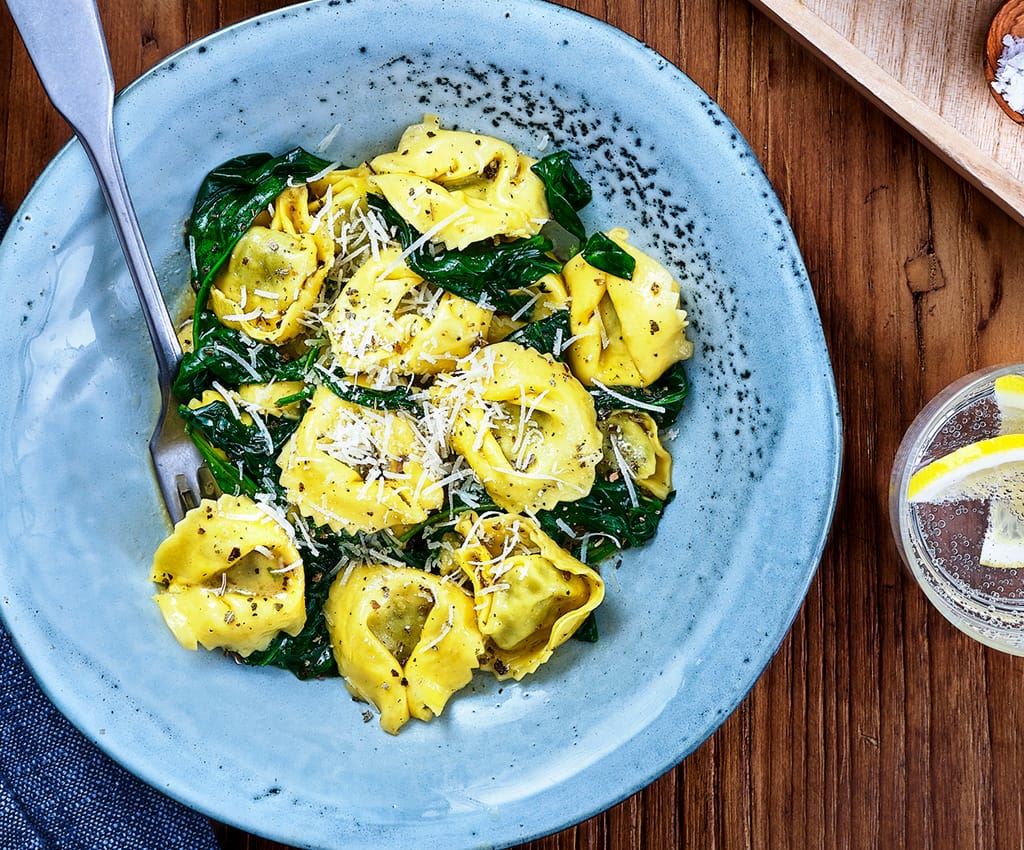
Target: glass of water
[(941, 544)]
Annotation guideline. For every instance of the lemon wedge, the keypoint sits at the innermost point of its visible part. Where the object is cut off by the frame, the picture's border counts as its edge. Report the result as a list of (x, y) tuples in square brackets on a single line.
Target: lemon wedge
[(1003, 547), (1009, 393), (987, 469)]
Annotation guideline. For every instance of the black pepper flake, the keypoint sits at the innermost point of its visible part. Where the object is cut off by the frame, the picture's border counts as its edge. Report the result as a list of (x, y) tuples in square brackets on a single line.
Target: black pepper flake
[(367, 716), (404, 681), (374, 604), (235, 554), (200, 530), (500, 667)]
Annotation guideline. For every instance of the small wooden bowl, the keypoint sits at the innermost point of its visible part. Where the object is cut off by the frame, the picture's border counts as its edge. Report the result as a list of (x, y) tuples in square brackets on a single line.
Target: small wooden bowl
[(1009, 20)]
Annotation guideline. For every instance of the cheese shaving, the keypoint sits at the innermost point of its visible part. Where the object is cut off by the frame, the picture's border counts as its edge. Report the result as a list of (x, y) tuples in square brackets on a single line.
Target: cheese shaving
[(627, 473), (632, 402), (444, 630), (423, 240), (320, 175)]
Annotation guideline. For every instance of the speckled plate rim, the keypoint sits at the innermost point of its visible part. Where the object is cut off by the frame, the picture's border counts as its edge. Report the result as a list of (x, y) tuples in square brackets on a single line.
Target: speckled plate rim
[(150, 773)]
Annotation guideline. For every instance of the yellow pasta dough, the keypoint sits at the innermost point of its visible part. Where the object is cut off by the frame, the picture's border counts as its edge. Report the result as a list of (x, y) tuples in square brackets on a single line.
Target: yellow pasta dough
[(526, 426), (356, 469), (275, 274), (230, 577), (403, 639), (463, 187), (626, 332), (388, 317), (531, 595)]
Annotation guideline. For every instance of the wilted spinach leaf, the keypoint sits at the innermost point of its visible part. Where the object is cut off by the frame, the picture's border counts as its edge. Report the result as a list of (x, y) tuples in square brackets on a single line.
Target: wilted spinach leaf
[(225, 473), (608, 509), (565, 190), (544, 333), (226, 355), (229, 199), (588, 631), (396, 398), (669, 392), (602, 253), (240, 442), (308, 654), (483, 271)]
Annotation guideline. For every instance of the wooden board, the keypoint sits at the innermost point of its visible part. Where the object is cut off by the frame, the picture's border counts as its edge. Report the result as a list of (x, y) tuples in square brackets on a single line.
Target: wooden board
[(877, 725), (922, 61)]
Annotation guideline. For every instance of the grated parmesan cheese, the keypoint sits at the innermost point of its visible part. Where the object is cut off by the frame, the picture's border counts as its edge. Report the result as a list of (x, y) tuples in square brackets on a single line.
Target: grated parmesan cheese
[(632, 402), (627, 473)]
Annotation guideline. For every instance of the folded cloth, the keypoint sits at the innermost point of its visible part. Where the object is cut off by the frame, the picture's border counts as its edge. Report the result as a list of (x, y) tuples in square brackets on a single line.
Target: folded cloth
[(59, 792)]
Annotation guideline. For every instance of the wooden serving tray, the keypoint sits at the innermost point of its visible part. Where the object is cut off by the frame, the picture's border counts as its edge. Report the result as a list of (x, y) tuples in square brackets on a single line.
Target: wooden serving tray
[(922, 61)]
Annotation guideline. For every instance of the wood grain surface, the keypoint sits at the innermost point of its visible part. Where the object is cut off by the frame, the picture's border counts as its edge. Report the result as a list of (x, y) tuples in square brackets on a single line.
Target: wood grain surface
[(923, 62), (877, 724)]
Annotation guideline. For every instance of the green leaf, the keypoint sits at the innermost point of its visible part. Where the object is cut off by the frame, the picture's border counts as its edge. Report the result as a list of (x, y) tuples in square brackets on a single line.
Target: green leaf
[(668, 392), (565, 190), (484, 272), (588, 631), (228, 201), (224, 472), (228, 356), (602, 253), (543, 334), (396, 398), (607, 509), (240, 442), (302, 395), (309, 653)]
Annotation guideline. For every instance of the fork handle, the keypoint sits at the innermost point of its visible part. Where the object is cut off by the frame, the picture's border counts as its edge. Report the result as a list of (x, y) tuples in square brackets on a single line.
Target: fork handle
[(65, 41)]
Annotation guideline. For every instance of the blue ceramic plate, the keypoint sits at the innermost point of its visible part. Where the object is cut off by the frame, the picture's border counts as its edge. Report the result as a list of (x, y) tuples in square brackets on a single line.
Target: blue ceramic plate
[(689, 621)]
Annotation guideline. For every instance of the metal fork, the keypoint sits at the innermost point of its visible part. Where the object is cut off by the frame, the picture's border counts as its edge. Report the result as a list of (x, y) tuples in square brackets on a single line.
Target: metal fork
[(65, 41)]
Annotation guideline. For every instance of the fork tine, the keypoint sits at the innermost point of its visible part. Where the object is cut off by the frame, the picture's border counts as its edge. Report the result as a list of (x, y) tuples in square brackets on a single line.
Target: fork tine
[(182, 474)]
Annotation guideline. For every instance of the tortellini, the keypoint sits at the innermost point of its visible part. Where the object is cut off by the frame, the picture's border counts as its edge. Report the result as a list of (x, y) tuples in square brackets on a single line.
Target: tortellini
[(634, 434), (231, 577), (550, 298), (531, 595), (474, 187), (388, 317), (356, 469), (626, 332), (274, 274), (526, 426), (403, 639)]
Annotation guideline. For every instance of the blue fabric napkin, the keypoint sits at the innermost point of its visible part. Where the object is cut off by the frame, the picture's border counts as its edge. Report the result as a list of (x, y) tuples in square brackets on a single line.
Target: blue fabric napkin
[(59, 792)]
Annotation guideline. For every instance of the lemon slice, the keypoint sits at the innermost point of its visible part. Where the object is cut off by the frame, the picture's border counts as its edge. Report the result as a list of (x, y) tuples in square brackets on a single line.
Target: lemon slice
[(1009, 393), (1003, 547), (987, 469)]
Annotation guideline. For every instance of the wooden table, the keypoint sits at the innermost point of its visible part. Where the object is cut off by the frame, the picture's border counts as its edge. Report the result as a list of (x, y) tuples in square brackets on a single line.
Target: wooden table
[(877, 724)]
